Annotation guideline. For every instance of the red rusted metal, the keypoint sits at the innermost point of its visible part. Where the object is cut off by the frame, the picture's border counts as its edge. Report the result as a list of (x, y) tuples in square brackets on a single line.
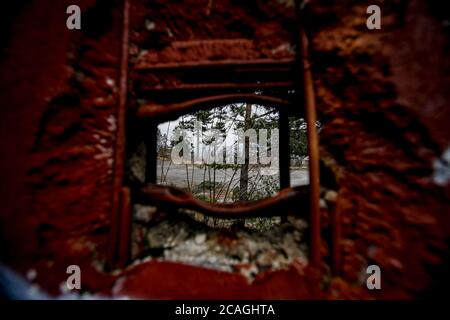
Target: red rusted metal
[(167, 196), (119, 149), (313, 145), (194, 43), (175, 110), (278, 205), (218, 86), (142, 67), (156, 279)]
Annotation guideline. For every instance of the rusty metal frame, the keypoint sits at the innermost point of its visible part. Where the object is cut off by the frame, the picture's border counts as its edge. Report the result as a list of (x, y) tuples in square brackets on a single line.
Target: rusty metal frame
[(121, 203), (169, 197), (313, 140), (119, 230), (221, 63), (169, 112)]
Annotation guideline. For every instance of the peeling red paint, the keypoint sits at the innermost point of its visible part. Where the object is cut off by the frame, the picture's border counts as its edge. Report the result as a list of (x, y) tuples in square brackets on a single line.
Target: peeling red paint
[(165, 280)]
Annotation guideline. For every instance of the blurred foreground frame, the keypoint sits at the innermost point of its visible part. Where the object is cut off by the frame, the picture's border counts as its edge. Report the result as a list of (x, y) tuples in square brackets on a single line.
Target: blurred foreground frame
[(73, 103)]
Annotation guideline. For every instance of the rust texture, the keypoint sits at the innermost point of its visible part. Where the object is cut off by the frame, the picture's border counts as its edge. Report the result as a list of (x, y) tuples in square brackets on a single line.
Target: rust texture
[(59, 94), (118, 238), (166, 112), (381, 95), (372, 89), (313, 144), (174, 197), (215, 77)]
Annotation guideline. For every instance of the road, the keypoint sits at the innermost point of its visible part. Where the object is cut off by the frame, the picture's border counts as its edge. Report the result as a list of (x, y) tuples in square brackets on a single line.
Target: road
[(176, 175)]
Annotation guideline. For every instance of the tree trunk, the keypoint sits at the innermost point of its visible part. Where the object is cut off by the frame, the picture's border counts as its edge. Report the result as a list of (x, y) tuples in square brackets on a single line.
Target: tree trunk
[(243, 187)]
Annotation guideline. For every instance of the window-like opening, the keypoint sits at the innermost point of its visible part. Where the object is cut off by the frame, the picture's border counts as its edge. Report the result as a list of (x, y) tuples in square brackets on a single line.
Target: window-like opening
[(222, 155), (233, 154)]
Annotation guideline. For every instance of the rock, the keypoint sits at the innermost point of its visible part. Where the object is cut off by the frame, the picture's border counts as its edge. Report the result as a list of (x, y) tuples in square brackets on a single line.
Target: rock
[(200, 238), (154, 241), (331, 196), (298, 223), (265, 259), (181, 236), (191, 242), (144, 213)]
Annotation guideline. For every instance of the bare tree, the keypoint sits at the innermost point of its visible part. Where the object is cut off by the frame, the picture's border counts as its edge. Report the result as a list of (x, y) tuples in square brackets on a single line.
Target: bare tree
[(243, 187)]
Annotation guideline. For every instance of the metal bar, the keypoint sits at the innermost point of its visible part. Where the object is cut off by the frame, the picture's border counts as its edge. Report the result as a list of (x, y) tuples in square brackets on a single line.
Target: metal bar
[(174, 110), (264, 69), (210, 86), (119, 154), (208, 63), (195, 43), (172, 198), (313, 145)]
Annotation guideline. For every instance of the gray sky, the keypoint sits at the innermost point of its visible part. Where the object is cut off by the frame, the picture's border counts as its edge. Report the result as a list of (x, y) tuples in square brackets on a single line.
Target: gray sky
[(168, 127)]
